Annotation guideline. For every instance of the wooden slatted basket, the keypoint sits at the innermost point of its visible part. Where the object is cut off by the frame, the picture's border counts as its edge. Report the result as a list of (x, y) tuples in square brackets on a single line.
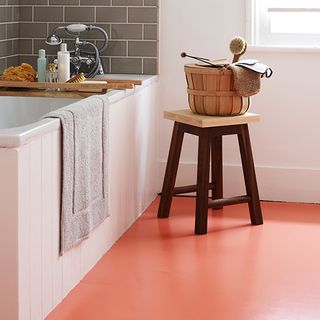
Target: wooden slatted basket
[(211, 92)]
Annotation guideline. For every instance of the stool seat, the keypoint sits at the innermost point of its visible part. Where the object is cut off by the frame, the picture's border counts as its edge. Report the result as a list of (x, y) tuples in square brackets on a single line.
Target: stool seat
[(202, 121), (210, 130)]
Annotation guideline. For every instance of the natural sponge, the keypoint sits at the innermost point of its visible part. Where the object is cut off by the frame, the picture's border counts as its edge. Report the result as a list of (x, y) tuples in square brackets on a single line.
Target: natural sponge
[(24, 72)]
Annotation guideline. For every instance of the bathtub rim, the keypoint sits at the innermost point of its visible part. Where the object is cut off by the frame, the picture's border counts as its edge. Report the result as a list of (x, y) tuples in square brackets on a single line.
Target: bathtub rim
[(17, 136)]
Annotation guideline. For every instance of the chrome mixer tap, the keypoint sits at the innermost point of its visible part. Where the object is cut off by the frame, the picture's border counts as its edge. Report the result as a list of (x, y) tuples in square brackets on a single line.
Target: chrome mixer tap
[(82, 59)]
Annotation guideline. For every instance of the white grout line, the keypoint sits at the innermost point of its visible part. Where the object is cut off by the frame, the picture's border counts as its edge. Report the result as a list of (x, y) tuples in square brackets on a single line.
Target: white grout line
[(6, 27), (13, 55), (127, 12), (118, 57), (93, 39), (74, 6), (103, 23), (11, 39)]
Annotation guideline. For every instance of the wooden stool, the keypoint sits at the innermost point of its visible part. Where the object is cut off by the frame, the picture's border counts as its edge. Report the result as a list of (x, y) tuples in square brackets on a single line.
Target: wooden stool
[(210, 130)]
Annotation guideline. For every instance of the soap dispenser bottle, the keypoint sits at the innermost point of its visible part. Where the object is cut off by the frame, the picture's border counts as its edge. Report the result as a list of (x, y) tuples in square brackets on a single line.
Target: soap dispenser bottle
[(42, 65), (63, 63)]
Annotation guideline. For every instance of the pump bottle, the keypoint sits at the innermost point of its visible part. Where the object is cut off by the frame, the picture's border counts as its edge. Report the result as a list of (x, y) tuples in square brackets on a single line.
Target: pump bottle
[(63, 63)]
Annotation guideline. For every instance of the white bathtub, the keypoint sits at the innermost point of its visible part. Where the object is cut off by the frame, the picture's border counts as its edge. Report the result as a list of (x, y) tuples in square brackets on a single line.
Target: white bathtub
[(33, 277), (20, 118)]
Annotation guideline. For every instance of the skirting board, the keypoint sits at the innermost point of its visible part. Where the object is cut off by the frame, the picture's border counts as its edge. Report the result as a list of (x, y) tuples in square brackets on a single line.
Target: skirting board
[(275, 184)]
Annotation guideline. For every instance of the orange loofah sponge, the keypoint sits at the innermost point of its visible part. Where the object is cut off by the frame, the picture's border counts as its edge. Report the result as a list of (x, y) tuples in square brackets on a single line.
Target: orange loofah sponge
[(24, 72)]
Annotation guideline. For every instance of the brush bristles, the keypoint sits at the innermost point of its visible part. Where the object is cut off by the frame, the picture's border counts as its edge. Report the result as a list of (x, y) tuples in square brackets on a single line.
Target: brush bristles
[(183, 54), (78, 78), (237, 45)]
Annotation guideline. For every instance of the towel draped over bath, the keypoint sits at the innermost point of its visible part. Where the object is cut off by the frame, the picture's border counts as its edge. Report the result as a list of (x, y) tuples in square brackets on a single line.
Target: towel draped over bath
[(84, 168)]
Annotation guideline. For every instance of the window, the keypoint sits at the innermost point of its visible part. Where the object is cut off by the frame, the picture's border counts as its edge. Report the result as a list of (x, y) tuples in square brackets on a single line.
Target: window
[(284, 22)]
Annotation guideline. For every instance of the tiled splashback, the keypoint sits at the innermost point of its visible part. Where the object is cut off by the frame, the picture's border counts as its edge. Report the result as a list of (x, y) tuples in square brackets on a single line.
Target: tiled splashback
[(132, 26), (9, 32)]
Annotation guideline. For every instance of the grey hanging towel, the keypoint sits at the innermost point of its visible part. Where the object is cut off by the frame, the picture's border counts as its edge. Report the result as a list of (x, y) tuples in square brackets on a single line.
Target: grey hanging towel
[(84, 168)]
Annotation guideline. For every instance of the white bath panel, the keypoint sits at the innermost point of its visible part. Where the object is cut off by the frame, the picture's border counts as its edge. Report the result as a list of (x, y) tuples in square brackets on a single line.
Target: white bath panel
[(24, 233), (35, 225), (47, 217), (30, 196), (57, 285), (9, 234)]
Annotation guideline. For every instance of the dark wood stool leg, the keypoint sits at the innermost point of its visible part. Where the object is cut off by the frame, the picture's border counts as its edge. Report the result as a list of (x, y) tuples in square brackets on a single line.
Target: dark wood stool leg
[(202, 182), (249, 175), (217, 168), (171, 171)]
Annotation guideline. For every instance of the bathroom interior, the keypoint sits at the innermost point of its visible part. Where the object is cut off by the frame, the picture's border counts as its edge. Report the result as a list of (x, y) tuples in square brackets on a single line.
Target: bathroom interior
[(128, 263)]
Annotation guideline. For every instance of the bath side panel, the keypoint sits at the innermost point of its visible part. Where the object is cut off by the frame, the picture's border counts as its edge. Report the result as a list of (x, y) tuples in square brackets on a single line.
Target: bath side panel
[(132, 169), (45, 278), (24, 233), (54, 258), (9, 295), (40, 266)]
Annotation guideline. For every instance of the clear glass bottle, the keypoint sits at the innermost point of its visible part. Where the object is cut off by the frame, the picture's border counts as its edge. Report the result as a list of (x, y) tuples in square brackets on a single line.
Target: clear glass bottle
[(52, 73)]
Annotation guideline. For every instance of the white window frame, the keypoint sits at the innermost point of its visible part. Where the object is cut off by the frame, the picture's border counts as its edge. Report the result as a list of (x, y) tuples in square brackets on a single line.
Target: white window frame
[(258, 23)]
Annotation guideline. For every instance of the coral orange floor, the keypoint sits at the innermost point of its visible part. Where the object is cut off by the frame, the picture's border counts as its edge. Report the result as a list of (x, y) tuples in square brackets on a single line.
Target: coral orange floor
[(159, 270)]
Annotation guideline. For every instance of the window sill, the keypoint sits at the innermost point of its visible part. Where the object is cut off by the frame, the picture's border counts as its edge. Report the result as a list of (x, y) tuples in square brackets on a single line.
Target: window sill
[(254, 48)]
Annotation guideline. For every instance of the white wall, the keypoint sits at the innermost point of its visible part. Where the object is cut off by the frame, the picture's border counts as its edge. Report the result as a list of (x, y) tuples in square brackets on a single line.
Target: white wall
[(286, 142)]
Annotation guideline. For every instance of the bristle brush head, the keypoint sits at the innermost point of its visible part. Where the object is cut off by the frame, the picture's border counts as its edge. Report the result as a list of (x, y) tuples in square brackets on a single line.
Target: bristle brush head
[(77, 78), (237, 45), (183, 54)]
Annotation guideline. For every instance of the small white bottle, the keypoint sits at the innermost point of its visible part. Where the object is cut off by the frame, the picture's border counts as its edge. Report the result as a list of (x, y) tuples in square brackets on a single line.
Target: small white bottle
[(42, 65), (63, 63)]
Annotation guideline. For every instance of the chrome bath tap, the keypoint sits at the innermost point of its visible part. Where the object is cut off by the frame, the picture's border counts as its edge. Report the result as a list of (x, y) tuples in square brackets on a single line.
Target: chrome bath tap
[(82, 59)]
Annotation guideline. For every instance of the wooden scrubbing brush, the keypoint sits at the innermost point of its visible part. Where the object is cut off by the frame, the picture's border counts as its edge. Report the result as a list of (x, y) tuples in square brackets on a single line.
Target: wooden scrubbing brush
[(77, 78), (238, 47)]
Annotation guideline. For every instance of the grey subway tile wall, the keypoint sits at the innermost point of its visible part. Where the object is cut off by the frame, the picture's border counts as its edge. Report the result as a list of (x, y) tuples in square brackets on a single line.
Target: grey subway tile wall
[(132, 27), (9, 32), (111, 14), (127, 31), (142, 15), (151, 32), (126, 65)]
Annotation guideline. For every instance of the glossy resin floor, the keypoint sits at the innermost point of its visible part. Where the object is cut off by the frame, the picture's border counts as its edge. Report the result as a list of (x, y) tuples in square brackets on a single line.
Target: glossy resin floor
[(160, 270)]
